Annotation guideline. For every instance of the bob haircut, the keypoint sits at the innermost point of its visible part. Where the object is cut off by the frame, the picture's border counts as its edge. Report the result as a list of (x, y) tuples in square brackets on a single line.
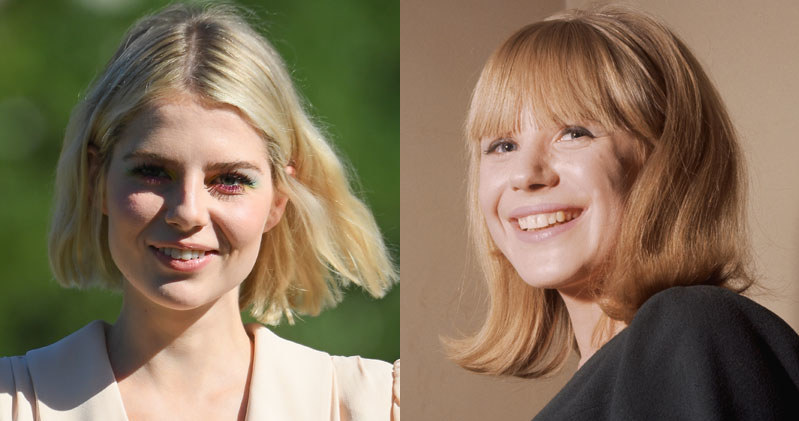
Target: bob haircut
[(683, 221), (327, 236)]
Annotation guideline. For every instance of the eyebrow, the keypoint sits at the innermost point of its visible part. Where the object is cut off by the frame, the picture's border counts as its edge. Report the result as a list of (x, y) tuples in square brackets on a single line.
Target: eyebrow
[(216, 166)]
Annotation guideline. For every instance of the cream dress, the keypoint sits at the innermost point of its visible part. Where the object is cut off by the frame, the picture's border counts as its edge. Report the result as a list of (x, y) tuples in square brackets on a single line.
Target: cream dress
[(72, 380)]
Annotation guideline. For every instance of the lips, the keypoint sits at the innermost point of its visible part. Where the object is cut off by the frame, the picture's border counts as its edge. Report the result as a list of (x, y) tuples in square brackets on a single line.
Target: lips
[(183, 257), (181, 254), (541, 222), (185, 260), (546, 220)]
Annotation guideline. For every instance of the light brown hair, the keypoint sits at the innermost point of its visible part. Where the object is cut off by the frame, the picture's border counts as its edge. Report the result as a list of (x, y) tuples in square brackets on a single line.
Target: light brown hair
[(327, 237), (683, 220)]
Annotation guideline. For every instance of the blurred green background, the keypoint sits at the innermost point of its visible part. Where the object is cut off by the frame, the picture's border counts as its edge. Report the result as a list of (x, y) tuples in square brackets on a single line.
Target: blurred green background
[(344, 57)]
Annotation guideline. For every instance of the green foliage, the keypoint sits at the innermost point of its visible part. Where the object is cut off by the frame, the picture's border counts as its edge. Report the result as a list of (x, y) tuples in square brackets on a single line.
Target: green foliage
[(344, 57)]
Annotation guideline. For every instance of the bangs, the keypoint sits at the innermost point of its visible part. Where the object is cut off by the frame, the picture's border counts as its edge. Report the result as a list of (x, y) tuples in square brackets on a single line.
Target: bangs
[(551, 73)]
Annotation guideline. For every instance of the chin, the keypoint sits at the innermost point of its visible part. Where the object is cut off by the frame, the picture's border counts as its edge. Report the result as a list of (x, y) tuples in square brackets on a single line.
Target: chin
[(178, 295), (179, 299), (558, 278)]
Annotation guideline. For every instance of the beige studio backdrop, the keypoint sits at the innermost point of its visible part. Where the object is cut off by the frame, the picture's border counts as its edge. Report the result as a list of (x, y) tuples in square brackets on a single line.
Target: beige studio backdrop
[(748, 50)]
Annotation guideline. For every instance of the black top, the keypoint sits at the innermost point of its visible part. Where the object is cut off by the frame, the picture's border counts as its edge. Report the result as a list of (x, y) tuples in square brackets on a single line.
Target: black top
[(690, 353)]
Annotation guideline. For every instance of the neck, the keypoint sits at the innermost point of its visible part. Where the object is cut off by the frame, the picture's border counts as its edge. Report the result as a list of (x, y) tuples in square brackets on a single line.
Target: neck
[(585, 314), (174, 346)]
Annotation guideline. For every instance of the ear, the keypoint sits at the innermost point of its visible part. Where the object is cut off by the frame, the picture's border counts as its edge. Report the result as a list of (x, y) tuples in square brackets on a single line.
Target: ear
[(95, 162), (279, 203)]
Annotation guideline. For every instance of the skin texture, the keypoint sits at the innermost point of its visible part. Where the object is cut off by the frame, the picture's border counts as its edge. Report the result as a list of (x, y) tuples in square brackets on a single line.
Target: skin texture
[(179, 349), (578, 168)]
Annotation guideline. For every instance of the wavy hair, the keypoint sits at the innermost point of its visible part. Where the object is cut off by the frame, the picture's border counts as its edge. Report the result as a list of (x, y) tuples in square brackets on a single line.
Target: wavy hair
[(327, 237), (683, 221)]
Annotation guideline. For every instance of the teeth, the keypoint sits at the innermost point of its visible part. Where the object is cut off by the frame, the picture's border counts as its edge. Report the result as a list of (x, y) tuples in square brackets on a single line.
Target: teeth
[(545, 220), (541, 220), (182, 254)]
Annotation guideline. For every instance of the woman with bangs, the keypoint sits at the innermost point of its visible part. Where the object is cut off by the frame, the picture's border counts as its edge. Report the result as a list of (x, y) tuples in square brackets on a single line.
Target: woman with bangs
[(607, 207), (192, 179)]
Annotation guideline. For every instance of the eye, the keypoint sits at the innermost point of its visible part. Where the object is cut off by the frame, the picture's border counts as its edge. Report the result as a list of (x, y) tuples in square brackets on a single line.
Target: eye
[(231, 183), (574, 133), (500, 146), (150, 173)]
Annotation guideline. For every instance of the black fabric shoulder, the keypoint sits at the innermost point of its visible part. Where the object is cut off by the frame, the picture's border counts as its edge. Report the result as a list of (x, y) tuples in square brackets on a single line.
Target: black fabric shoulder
[(690, 353), (704, 306)]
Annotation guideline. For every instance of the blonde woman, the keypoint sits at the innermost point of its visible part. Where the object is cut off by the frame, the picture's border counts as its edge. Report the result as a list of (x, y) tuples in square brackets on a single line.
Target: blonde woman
[(192, 179), (607, 197)]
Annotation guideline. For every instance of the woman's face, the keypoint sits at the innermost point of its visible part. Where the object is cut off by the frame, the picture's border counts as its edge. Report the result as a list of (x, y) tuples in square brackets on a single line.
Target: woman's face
[(188, 197), (552, 198)]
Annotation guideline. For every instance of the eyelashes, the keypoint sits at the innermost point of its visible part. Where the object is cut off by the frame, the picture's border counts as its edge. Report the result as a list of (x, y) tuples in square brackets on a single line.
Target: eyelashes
[(568, 134), (149, 172), (232, 183), (229, 183), (574, 133), (502, 145)]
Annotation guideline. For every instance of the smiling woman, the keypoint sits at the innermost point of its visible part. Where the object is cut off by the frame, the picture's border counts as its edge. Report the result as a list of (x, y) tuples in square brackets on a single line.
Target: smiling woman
[(590, 168), (607, 208), (192, 179), (177, 170)]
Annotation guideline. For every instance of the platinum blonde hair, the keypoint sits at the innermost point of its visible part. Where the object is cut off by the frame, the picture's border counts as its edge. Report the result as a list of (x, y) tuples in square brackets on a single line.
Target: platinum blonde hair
[(327, 237)]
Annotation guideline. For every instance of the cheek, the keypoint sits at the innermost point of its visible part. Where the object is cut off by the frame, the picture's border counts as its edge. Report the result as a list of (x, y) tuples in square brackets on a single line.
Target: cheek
[(129, 207), (613, 189), (603, 177), (605, 181), (129, 214), (488, 191), (245, 222), (489, 194)]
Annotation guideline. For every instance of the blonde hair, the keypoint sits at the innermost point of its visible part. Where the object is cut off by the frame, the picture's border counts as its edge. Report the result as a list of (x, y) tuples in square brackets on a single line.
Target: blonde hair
[(683, 220), (327, 237)]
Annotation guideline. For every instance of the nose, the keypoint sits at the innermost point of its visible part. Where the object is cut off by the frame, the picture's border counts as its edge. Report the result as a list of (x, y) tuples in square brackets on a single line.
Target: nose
[(186, 206), (533, 170)]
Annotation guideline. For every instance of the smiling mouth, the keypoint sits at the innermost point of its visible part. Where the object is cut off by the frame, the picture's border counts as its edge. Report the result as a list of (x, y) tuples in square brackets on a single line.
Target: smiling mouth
[(180, 254), (543, 221)]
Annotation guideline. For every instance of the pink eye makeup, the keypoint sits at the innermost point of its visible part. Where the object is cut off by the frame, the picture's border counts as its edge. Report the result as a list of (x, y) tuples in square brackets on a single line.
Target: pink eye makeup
[(229, 183)]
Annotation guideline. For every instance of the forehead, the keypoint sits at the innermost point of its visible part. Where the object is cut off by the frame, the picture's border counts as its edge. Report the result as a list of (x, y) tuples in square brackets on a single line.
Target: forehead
[(534, 102), (187, 129), (558, 73)]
